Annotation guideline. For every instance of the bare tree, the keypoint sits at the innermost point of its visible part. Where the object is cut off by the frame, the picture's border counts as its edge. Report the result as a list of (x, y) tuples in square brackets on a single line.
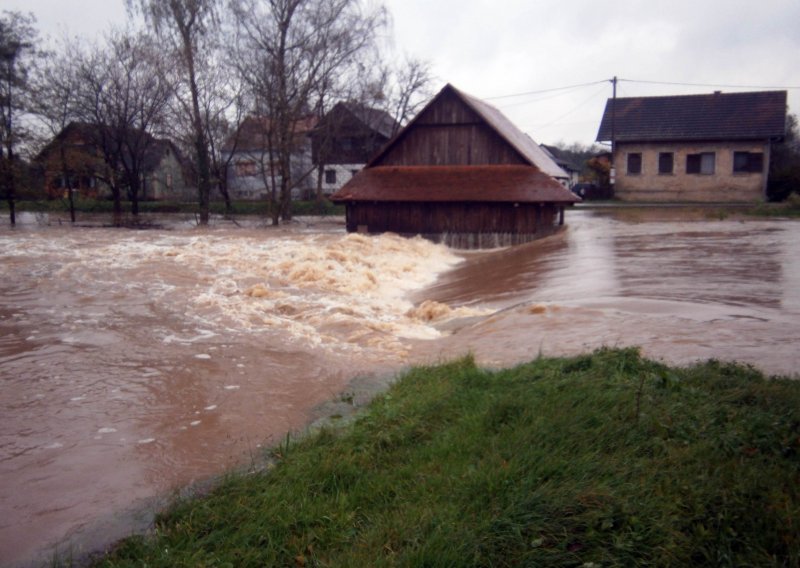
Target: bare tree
[(124, 97), (291, 52), (189, 27), (17, 54), (222, 109), (55, 103), (406, 89)]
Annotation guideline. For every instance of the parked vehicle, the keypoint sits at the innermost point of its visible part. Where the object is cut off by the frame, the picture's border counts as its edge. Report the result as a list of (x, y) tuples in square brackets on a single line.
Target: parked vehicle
[(586, 190)]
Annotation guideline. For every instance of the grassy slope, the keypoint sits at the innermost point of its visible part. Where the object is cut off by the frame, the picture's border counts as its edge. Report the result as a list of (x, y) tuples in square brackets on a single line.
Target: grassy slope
[(605, 459)]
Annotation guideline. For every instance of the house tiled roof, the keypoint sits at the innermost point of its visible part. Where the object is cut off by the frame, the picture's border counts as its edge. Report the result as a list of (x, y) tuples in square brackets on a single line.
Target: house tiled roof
[(376, 119), (717, 116), (564, 162), (92, 139), (521, 142), (500, 184), (253, 133)]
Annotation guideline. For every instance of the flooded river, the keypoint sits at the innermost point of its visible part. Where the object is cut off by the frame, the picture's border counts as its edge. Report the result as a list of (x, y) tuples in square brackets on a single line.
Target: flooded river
[(133, 363)]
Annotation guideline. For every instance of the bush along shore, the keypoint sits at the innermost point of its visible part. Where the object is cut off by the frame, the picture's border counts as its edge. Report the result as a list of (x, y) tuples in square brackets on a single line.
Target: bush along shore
[(606, 459), (83, 205)]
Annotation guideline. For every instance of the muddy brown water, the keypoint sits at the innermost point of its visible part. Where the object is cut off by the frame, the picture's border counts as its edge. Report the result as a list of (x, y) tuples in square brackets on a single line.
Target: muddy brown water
[(134, 363)]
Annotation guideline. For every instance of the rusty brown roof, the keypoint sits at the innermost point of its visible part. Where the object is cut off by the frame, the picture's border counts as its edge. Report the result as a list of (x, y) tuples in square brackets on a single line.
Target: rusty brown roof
[(252, 135), (496, 183), (717, 116), (521, 142)]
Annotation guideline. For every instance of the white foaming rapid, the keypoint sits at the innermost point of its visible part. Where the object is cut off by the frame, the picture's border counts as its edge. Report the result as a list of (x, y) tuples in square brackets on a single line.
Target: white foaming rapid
[(330, 291), (346, 292)]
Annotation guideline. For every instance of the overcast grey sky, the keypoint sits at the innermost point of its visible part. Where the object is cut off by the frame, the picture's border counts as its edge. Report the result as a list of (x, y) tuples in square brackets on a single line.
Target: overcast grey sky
[(492, 48)]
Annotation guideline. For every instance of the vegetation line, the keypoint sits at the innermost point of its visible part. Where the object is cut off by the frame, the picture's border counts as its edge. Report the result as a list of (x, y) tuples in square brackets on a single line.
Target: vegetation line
[(605, 459), (82, 205)]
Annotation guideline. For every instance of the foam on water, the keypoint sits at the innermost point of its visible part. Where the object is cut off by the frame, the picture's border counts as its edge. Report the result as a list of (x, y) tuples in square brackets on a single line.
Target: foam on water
[(337, 292)]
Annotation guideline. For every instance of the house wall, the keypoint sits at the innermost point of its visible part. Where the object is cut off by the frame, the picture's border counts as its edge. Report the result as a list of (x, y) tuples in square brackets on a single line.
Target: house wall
[(342, 139), (722, 186), (464, 225), (344, 173), (168, 182), (251, 184)]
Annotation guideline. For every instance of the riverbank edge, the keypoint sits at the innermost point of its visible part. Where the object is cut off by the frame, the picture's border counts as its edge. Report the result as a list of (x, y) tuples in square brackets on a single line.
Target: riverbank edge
[(640, 381), (83, 547)]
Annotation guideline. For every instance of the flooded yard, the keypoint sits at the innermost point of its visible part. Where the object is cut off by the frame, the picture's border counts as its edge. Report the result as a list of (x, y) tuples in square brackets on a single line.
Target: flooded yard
[(133, 363)]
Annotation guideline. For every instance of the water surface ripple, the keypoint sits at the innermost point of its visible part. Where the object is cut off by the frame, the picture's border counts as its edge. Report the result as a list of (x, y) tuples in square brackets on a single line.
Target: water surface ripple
[(136, 362)]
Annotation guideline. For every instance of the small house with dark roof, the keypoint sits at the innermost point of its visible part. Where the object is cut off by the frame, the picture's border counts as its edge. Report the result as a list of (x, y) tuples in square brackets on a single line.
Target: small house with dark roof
[(75, 158), (695, 148), (344, 140), (460, 172), (565, 162)]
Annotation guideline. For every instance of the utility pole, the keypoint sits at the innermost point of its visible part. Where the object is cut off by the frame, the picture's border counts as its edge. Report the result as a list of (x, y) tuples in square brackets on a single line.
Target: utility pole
[(613, 172)]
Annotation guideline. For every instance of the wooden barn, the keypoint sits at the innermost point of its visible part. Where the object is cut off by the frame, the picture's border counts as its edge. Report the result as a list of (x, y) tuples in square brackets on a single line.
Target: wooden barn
[(459, 173)]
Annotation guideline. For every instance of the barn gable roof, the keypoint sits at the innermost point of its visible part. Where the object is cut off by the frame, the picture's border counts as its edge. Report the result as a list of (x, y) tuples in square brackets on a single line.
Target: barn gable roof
[(497, 121), (717, 116)]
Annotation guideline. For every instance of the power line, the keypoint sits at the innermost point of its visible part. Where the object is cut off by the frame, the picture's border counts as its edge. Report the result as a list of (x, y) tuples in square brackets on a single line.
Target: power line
[(546, 90), (546, 97), (672, 83), (579, 105), (708, 85)]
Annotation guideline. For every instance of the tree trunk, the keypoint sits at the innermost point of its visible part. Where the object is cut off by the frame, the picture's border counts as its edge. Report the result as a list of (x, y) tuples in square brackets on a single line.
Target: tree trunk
[(71, 201), (286, 191), (222, 184), (320, 173), (201, 149), (10, 189), (135, 187), (117, 220), (68, 182)]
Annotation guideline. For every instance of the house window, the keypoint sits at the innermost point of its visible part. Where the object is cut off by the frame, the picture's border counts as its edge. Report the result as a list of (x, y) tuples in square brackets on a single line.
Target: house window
[(666, 161), (635, 163), (330, 176), (245, 168), (744, 162), (700, 163)]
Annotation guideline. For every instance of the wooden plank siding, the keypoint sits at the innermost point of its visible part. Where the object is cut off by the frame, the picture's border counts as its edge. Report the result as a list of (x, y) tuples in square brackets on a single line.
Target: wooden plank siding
[(495, 224), (450, 133), (451, 144)]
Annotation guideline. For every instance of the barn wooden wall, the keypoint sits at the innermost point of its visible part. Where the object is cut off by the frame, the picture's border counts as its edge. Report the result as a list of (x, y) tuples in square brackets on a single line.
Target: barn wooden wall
[(459, 224), (450, 133)]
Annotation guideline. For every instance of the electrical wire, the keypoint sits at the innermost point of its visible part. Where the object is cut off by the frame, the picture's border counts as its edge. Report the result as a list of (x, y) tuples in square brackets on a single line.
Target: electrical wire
[(620, 80), (707, 84), (545, 90)]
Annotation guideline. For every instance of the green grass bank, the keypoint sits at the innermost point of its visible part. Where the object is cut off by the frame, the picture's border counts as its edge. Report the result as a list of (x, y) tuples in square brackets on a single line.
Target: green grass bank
[(606, 459)]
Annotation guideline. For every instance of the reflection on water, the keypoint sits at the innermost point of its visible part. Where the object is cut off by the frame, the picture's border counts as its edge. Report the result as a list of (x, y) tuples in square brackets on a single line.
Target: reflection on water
[(133, 362), (682, 290)]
